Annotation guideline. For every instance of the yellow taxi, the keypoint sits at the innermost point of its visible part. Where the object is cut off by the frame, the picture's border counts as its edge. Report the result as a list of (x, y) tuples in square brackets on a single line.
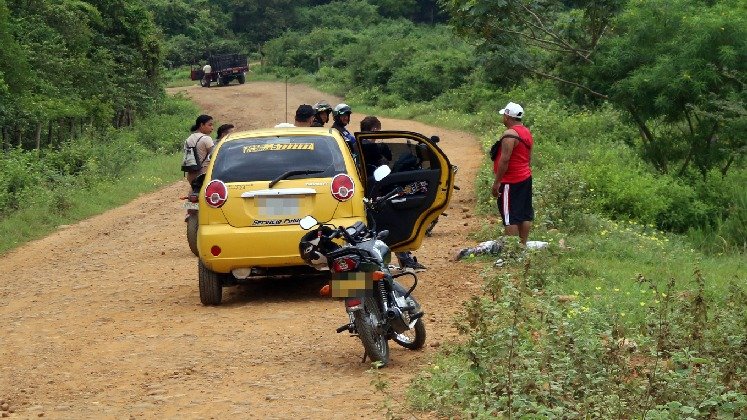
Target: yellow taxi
[(260, 183)]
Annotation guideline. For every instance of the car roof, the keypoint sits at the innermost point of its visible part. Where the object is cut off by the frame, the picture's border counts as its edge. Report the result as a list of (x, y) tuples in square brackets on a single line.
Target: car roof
[(275, 132)]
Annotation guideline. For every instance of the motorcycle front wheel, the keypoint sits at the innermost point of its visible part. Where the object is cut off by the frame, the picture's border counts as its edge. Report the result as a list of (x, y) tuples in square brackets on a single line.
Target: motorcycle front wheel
[(367, 322), (414, 338)]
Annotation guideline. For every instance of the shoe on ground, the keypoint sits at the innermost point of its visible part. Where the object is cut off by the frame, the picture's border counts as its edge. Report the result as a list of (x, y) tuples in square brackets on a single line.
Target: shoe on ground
[(414, 266)]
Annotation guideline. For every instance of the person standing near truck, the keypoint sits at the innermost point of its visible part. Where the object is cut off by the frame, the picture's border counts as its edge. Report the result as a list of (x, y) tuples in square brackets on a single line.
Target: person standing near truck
[(206, 70), (512, 158)]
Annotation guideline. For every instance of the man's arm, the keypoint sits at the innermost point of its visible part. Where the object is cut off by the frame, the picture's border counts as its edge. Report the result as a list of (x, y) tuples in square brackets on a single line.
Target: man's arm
[(507, 148)]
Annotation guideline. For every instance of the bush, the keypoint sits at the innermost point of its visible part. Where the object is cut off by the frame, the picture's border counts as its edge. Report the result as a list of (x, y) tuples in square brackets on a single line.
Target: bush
[(529, 353), (41, 178)]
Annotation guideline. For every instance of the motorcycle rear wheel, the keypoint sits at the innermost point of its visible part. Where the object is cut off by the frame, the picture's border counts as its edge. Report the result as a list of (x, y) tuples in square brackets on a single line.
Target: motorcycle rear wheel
[(192, 226), (366, 323)]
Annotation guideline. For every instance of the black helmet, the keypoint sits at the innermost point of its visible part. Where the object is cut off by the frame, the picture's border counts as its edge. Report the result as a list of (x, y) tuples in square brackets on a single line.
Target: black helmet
[(322, 106), (310, 247), (342, 109)]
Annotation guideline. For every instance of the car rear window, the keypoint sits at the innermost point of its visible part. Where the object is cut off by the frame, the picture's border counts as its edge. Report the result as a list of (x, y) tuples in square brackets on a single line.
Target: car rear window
[(266, 158)]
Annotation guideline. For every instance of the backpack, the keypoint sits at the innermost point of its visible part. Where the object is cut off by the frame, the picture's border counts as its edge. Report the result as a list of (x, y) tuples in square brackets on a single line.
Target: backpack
[(497, 145), (190, 161)]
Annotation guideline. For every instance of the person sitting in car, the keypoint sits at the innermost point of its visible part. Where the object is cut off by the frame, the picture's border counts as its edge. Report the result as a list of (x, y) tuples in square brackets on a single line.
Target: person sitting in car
[(376, 154)]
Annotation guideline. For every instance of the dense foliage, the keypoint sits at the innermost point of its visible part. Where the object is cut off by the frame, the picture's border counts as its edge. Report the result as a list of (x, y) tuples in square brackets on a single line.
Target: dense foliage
[(58, 77), (649, 115), (43, 178), (194, 29), (676, 67)]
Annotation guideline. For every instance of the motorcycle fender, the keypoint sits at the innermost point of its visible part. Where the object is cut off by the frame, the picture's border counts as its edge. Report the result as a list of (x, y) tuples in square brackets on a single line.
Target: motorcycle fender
[(352, 308)]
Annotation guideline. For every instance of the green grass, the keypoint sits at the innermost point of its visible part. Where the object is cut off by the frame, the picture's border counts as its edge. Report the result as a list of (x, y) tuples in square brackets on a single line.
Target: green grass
[(178, 77), (148, 174)]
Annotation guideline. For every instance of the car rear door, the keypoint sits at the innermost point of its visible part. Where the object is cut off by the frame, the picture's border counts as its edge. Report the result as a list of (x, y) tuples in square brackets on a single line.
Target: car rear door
[(421, 168)]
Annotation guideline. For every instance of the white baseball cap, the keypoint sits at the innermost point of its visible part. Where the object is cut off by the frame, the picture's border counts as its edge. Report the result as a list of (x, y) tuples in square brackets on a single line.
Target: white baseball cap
[(513, 110)]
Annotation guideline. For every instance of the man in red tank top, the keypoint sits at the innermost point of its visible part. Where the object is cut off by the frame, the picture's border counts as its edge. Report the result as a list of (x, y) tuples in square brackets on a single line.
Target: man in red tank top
[(512, 157)]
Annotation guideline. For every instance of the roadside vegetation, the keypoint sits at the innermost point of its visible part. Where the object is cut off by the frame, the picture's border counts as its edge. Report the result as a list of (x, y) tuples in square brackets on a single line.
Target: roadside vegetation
[(89, 174), (638, 307)]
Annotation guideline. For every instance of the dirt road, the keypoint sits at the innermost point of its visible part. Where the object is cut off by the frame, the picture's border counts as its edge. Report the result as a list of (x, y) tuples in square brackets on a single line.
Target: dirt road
[(102, 319)]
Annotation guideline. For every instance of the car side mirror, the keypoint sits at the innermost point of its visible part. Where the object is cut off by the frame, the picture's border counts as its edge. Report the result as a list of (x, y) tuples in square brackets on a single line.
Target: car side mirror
[(435, 139), (381, 172), (308, 222)]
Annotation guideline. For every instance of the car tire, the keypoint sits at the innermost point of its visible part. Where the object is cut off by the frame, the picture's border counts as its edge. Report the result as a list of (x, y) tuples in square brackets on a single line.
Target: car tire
[(192, 225), (211, 285), (242, 78)]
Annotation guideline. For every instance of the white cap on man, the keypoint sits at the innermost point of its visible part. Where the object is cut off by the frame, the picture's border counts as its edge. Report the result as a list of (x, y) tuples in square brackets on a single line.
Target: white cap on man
[(513, 110)]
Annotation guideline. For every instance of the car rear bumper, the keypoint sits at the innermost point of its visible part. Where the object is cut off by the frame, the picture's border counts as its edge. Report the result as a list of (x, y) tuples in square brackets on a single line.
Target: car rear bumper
[(254, 247)]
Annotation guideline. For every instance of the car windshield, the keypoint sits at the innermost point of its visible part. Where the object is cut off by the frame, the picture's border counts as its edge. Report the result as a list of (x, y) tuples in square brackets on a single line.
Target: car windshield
[(266, 158)]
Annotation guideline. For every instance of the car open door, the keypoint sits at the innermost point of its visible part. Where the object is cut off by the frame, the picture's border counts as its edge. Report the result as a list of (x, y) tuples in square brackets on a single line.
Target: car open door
[(421, 168)]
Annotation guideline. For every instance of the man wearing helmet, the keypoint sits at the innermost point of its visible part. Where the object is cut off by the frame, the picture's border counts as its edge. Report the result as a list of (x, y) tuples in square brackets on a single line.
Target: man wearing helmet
[(322, 110), (341, 115), (512, 157)]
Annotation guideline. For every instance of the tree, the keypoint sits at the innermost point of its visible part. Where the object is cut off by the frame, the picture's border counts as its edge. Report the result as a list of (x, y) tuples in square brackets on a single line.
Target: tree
[(676, 65)]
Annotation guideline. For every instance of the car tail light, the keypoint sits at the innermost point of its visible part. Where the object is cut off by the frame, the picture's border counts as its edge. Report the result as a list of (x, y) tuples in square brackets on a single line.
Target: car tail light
[(343, 264), (216, 193), (215, 250), (343, 187)]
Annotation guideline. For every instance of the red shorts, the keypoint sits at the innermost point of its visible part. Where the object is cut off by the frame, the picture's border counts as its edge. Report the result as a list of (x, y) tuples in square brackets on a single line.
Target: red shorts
[(515, 202)]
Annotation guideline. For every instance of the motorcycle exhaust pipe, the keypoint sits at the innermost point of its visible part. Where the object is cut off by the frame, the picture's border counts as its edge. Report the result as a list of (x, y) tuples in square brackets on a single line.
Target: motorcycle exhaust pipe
[(397, 320)]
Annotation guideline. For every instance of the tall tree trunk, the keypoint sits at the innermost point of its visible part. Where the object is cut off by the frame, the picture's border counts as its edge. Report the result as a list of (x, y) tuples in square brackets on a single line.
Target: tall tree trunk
[(20, 137), (50, 132), (37, 135)]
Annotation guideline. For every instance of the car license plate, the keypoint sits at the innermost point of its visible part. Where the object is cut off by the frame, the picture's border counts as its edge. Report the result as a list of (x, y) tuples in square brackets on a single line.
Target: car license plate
[(191, 206), (278, 206), (355, 284)]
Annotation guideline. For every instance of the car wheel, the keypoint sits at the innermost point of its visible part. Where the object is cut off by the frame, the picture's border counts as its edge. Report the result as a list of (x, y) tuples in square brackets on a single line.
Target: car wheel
[(192, 226), (242, 78), (211, 285)]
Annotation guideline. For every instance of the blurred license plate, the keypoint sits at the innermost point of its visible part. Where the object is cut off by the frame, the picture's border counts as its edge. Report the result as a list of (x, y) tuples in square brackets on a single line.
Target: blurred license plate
[(355, 284), (278, 206), (191, 206)]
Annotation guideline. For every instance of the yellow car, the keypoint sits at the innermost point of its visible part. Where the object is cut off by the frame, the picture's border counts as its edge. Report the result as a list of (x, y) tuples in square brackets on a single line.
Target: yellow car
[(260, 183)]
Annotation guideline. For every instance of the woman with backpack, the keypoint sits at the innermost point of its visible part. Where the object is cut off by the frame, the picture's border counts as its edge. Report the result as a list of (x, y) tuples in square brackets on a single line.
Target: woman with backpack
[(201, 145)]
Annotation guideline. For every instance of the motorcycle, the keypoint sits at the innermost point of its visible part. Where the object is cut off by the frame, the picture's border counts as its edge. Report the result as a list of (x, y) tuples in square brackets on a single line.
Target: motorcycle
[(191, 204), (379, 308)]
